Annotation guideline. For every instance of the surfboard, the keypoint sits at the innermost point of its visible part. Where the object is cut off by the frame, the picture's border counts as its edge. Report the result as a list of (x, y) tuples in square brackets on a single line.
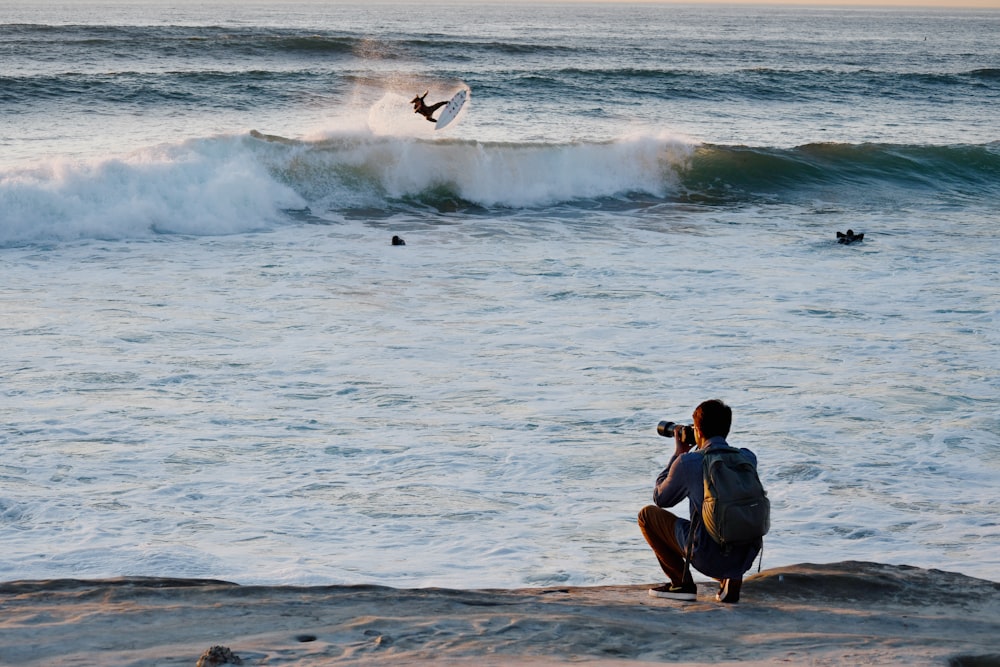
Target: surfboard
[(450, 110)]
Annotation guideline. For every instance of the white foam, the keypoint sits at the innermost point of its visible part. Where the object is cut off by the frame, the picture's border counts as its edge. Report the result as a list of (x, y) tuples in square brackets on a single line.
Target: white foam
[(226, 185), (203, 187), (346, 167)]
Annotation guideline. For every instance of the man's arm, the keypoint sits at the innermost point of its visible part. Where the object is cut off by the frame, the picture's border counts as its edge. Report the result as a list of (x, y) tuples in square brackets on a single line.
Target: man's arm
[(671, 486)]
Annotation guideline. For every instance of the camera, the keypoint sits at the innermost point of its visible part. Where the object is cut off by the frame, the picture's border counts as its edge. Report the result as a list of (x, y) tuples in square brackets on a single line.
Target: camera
[(666, 429)]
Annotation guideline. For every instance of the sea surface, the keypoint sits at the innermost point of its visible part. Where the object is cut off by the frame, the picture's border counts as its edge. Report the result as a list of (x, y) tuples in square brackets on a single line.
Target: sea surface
[(215, 364)]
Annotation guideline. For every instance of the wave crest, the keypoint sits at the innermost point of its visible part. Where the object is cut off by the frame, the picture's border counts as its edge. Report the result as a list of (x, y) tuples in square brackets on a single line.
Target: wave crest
[(737, 173), (223, 185), (203, 187), (368, 170)]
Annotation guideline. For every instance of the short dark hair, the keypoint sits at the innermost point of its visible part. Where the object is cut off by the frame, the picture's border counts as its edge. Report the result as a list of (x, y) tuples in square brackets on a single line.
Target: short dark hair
[(713, 418)]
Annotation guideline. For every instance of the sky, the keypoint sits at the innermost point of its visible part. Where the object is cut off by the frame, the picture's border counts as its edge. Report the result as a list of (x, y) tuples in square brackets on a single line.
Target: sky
[(982, 4)]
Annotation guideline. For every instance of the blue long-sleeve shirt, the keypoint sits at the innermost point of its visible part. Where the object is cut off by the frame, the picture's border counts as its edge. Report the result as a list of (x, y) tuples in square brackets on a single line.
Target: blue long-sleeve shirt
[(683, 478)]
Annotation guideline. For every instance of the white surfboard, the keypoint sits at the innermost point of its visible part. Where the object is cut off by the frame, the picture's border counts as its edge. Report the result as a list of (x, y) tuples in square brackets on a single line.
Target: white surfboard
[(450, 110)]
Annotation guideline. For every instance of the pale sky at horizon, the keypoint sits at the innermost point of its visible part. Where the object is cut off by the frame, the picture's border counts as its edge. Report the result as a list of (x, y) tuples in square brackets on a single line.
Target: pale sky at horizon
[(954, 4), (874, 4), (943, 4)]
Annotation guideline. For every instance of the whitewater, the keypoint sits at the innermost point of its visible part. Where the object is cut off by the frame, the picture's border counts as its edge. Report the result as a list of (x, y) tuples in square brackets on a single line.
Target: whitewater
[(215, 364)]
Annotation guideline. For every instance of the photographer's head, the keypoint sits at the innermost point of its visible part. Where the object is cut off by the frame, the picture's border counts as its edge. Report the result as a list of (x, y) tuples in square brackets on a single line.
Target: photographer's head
[(713, 418)]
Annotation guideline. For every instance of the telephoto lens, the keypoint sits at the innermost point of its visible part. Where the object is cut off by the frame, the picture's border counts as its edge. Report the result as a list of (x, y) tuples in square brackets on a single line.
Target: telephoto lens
[(667, 428)]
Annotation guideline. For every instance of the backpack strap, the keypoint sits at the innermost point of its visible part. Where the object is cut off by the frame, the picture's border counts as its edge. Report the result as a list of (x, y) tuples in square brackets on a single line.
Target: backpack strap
[(689, 549), (724, 450)]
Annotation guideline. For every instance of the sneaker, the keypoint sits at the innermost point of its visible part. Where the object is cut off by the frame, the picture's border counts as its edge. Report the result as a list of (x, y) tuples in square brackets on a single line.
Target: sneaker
[(688, 592), (729, 590)]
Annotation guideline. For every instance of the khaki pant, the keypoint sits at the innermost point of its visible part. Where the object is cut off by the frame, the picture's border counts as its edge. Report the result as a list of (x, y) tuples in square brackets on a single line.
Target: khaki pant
[(657, 526)]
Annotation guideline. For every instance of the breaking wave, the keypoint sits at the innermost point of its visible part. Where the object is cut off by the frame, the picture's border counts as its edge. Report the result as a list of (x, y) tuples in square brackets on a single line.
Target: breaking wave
[(233, 184)]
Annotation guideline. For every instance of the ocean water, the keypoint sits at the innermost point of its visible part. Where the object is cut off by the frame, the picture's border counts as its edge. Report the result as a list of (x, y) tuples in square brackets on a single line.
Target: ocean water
[(215, 364)]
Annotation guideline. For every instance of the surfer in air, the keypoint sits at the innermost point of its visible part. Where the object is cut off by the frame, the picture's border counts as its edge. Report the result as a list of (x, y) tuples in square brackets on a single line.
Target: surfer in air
[(425, 110)]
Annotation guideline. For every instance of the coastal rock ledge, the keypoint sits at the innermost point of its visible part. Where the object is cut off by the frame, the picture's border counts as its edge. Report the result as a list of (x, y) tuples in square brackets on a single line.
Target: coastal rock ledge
[(845, 613)]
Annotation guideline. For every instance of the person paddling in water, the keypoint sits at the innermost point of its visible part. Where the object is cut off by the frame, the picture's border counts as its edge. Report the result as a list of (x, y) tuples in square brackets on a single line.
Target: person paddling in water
[(425, 110)]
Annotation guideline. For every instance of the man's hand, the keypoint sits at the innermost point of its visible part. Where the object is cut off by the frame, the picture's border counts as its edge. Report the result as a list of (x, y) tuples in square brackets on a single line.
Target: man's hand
[(680, 447)]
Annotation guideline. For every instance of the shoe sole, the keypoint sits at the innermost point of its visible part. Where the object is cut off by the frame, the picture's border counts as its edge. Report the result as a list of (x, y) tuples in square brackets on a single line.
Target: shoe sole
[(683, 597)]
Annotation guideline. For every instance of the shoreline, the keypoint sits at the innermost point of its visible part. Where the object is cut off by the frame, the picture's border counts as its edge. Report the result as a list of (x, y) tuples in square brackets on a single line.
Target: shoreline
[(834, 614)]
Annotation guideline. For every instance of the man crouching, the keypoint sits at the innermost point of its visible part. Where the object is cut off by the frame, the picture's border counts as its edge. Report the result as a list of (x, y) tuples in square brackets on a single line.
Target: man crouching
[(670, 537)]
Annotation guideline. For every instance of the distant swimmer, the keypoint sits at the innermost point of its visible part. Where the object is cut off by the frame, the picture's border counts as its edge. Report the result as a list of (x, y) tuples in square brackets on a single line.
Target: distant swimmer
[(398, 241), (849, 237), (420, 107)]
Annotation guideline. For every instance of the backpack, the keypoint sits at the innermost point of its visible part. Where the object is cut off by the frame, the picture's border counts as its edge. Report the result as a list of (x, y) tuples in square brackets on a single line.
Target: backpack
[(736, 508)]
